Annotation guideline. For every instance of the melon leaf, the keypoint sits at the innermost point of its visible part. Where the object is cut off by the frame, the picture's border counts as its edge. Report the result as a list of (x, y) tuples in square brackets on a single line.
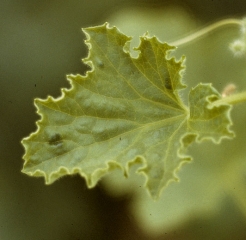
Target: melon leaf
[(125, 111)]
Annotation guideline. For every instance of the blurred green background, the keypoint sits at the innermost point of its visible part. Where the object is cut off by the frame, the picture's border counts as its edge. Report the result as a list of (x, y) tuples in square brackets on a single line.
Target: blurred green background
[(41, 42)]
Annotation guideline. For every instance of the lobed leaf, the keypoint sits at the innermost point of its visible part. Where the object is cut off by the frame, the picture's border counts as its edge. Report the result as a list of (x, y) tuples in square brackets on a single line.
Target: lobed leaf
[(125, 111)]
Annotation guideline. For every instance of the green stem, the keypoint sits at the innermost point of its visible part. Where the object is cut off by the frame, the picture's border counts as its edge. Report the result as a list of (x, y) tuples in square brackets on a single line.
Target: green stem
[(232, 99), (199, 33)]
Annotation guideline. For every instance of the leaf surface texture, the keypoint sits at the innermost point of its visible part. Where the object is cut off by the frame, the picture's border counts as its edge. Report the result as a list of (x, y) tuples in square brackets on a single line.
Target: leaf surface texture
[(125, 111)]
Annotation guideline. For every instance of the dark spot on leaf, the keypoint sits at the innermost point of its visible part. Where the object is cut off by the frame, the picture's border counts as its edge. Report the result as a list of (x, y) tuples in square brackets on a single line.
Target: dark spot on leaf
[(120, 138), (168, 84), (55, 139)]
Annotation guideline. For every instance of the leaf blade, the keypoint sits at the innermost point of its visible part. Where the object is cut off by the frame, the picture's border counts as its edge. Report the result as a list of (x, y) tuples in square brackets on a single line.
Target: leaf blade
[(125, 111)]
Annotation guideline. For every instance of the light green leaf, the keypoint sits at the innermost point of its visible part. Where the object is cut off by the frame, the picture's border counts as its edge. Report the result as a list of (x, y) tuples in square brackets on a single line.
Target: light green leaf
[(125, 111)]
